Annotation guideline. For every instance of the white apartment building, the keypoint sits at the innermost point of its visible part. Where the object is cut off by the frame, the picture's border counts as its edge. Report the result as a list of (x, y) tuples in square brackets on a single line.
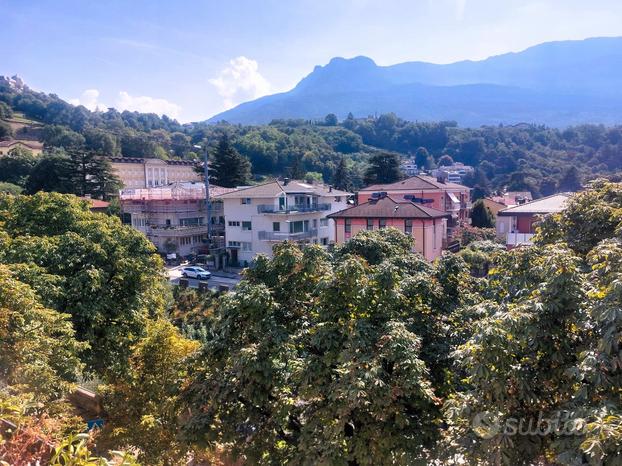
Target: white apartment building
[(258, 217)]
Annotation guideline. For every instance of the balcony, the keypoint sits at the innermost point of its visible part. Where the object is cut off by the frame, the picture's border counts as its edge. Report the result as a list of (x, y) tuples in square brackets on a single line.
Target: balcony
[(176, 230), (515, 239), (284, 236), (293, 209)]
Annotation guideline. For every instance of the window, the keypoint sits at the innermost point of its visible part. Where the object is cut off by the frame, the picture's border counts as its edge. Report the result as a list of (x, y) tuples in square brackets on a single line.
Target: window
[(382, 222), (299, 226), (246, 246), (324, 241), (323, 222), (234, 244), (233, 223), (245, 200), (185, 241), (247, 226), (408, 226), (337, 198), (186, 222), (348, 225), (276, 226), (370, 224), (315, 223)]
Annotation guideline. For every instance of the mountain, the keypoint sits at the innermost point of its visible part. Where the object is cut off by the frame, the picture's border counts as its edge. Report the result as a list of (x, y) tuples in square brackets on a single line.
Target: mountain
[(555, 83)]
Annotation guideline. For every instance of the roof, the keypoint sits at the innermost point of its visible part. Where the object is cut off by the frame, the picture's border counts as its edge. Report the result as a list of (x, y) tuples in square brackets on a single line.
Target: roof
[(276, 188), (387, 207), (148, 159), (181, 190), (544, 205), (510, 198), (31, 144), (416, 182)]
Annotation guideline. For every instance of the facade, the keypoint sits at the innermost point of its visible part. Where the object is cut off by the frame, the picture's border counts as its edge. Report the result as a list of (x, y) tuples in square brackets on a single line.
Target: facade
[(516, 225), (258, 217), (453, 173), (173, 217), (428, 226), (33, 146), (137, 173), (450, 198), (409, 167)]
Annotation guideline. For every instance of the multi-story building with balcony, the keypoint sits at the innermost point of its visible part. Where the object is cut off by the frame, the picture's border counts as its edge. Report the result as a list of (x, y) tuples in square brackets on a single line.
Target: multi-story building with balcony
[(438, 194), (174, 217), (517, 225), (258, 217)]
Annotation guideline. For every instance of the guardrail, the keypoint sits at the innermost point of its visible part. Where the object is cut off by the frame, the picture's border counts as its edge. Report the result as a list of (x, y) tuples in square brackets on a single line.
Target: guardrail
[(271, 209), (514, 239)]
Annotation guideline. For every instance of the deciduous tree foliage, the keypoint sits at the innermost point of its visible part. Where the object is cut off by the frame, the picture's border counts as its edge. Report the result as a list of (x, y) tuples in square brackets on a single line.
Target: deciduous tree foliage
[(105, 275), (327, 360)]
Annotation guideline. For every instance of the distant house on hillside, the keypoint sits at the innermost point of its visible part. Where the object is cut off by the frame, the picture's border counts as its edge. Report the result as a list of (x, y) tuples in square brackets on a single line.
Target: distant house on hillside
[(427, 225), (516, 225), (454, 173), (33, 146), (447, 197)]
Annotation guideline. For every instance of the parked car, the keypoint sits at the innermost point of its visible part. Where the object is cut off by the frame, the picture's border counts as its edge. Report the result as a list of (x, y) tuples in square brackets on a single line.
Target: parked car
[(195, 272)]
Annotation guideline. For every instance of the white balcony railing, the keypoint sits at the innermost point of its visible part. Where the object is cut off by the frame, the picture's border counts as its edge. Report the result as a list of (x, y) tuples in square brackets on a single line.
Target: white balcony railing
[(514, 239), (284, 236)]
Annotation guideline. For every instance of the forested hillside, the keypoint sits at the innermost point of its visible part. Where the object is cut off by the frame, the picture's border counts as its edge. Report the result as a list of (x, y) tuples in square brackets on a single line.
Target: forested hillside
[(518, 157)]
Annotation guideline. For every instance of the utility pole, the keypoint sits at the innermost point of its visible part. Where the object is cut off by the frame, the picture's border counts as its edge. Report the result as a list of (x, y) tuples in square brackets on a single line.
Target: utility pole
[(208, 202)]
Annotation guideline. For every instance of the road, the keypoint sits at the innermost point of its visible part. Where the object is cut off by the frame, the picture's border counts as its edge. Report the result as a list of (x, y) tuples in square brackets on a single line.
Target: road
[(218, 278)]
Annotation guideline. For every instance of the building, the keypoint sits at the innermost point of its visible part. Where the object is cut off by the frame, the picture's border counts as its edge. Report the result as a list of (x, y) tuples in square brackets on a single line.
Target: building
[(409, 167), (454, 173), (97, 205), (428, 226), (451, 198), (138, 173), (258, 217), (33, 146), (516, 225), (173, 217), (505, 200)]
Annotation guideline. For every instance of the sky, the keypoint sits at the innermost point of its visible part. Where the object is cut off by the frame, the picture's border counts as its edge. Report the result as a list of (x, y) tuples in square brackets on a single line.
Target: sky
[(194, 59)]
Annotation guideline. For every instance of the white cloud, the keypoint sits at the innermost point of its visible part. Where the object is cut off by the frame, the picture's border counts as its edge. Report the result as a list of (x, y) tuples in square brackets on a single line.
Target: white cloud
[(240, 81), (125, 101), (147, 104), (90, 99)]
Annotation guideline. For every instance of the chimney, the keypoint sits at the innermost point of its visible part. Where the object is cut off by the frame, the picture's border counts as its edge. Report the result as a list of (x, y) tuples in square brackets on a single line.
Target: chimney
[(285, 181)]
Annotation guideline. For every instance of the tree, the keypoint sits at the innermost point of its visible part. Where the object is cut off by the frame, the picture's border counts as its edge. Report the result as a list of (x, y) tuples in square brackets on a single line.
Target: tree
[(16, 167), (228, 168), (481, 216), (341, 178), (570, 181), (92, 175), (143, 402), (53, 172), (5, 130), (331, 120), (384, 167), (423, 159), (296, 171), (329, 360), (445, 160), (107, 276)]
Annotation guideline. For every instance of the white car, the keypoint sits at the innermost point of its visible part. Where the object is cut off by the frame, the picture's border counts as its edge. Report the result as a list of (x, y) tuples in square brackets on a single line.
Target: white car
[(195, 272)]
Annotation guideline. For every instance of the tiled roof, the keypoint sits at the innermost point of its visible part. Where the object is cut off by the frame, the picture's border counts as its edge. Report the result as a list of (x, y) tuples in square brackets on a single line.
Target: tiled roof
[(275, 188), (389, 208), (31, 144), (145, 160), (545, 205), (416, 182)]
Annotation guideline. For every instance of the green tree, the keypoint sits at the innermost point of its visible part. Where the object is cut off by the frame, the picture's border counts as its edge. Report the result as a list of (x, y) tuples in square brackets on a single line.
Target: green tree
[(445, 160), (92, 175), (296, 170), (53, 172), (423, 159), (105, 275), (384, 167), (5, 130), (341, 178), (17, 166), (331, 120), (570, 180), (228, 167), (481, 217)]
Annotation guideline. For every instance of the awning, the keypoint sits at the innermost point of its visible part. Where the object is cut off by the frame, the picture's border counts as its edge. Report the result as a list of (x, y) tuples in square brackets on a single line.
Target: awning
[(453, 198)]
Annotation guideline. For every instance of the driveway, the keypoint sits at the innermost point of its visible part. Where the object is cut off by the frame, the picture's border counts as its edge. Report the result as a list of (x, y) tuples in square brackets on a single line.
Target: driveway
[(218, 278)]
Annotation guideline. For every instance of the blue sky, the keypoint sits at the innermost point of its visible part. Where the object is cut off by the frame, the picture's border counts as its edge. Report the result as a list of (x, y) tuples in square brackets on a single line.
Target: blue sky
[(192, 59)]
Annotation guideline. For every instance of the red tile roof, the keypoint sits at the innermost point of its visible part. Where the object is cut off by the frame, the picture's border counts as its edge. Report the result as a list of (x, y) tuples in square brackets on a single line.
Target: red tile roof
[(416, 182), (387, 207)]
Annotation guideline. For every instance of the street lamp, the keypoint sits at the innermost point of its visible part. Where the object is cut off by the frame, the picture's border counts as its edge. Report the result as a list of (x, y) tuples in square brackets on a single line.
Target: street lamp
[(208, 202)]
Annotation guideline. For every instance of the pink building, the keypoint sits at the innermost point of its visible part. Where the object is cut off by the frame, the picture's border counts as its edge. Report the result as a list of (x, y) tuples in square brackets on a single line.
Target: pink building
[(450, 198), (428, 226)]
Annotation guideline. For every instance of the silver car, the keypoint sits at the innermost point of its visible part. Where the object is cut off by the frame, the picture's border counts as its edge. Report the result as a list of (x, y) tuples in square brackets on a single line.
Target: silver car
[(195, 272)]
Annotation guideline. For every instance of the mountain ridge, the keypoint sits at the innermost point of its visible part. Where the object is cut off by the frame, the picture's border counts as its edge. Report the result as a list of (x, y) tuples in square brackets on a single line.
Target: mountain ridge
[(563, 83)]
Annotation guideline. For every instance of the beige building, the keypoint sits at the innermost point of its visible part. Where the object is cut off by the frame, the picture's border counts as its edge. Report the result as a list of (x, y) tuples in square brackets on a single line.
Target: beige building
[(33, 146), (137, 173), (173, 217)]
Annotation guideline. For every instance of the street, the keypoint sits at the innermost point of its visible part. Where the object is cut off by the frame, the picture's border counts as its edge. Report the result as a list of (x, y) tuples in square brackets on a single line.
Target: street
[(218, 278)]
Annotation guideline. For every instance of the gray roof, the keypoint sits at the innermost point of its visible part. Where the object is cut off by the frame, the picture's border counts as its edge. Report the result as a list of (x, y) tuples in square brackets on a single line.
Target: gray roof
[(276, 188), (544, 205)]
